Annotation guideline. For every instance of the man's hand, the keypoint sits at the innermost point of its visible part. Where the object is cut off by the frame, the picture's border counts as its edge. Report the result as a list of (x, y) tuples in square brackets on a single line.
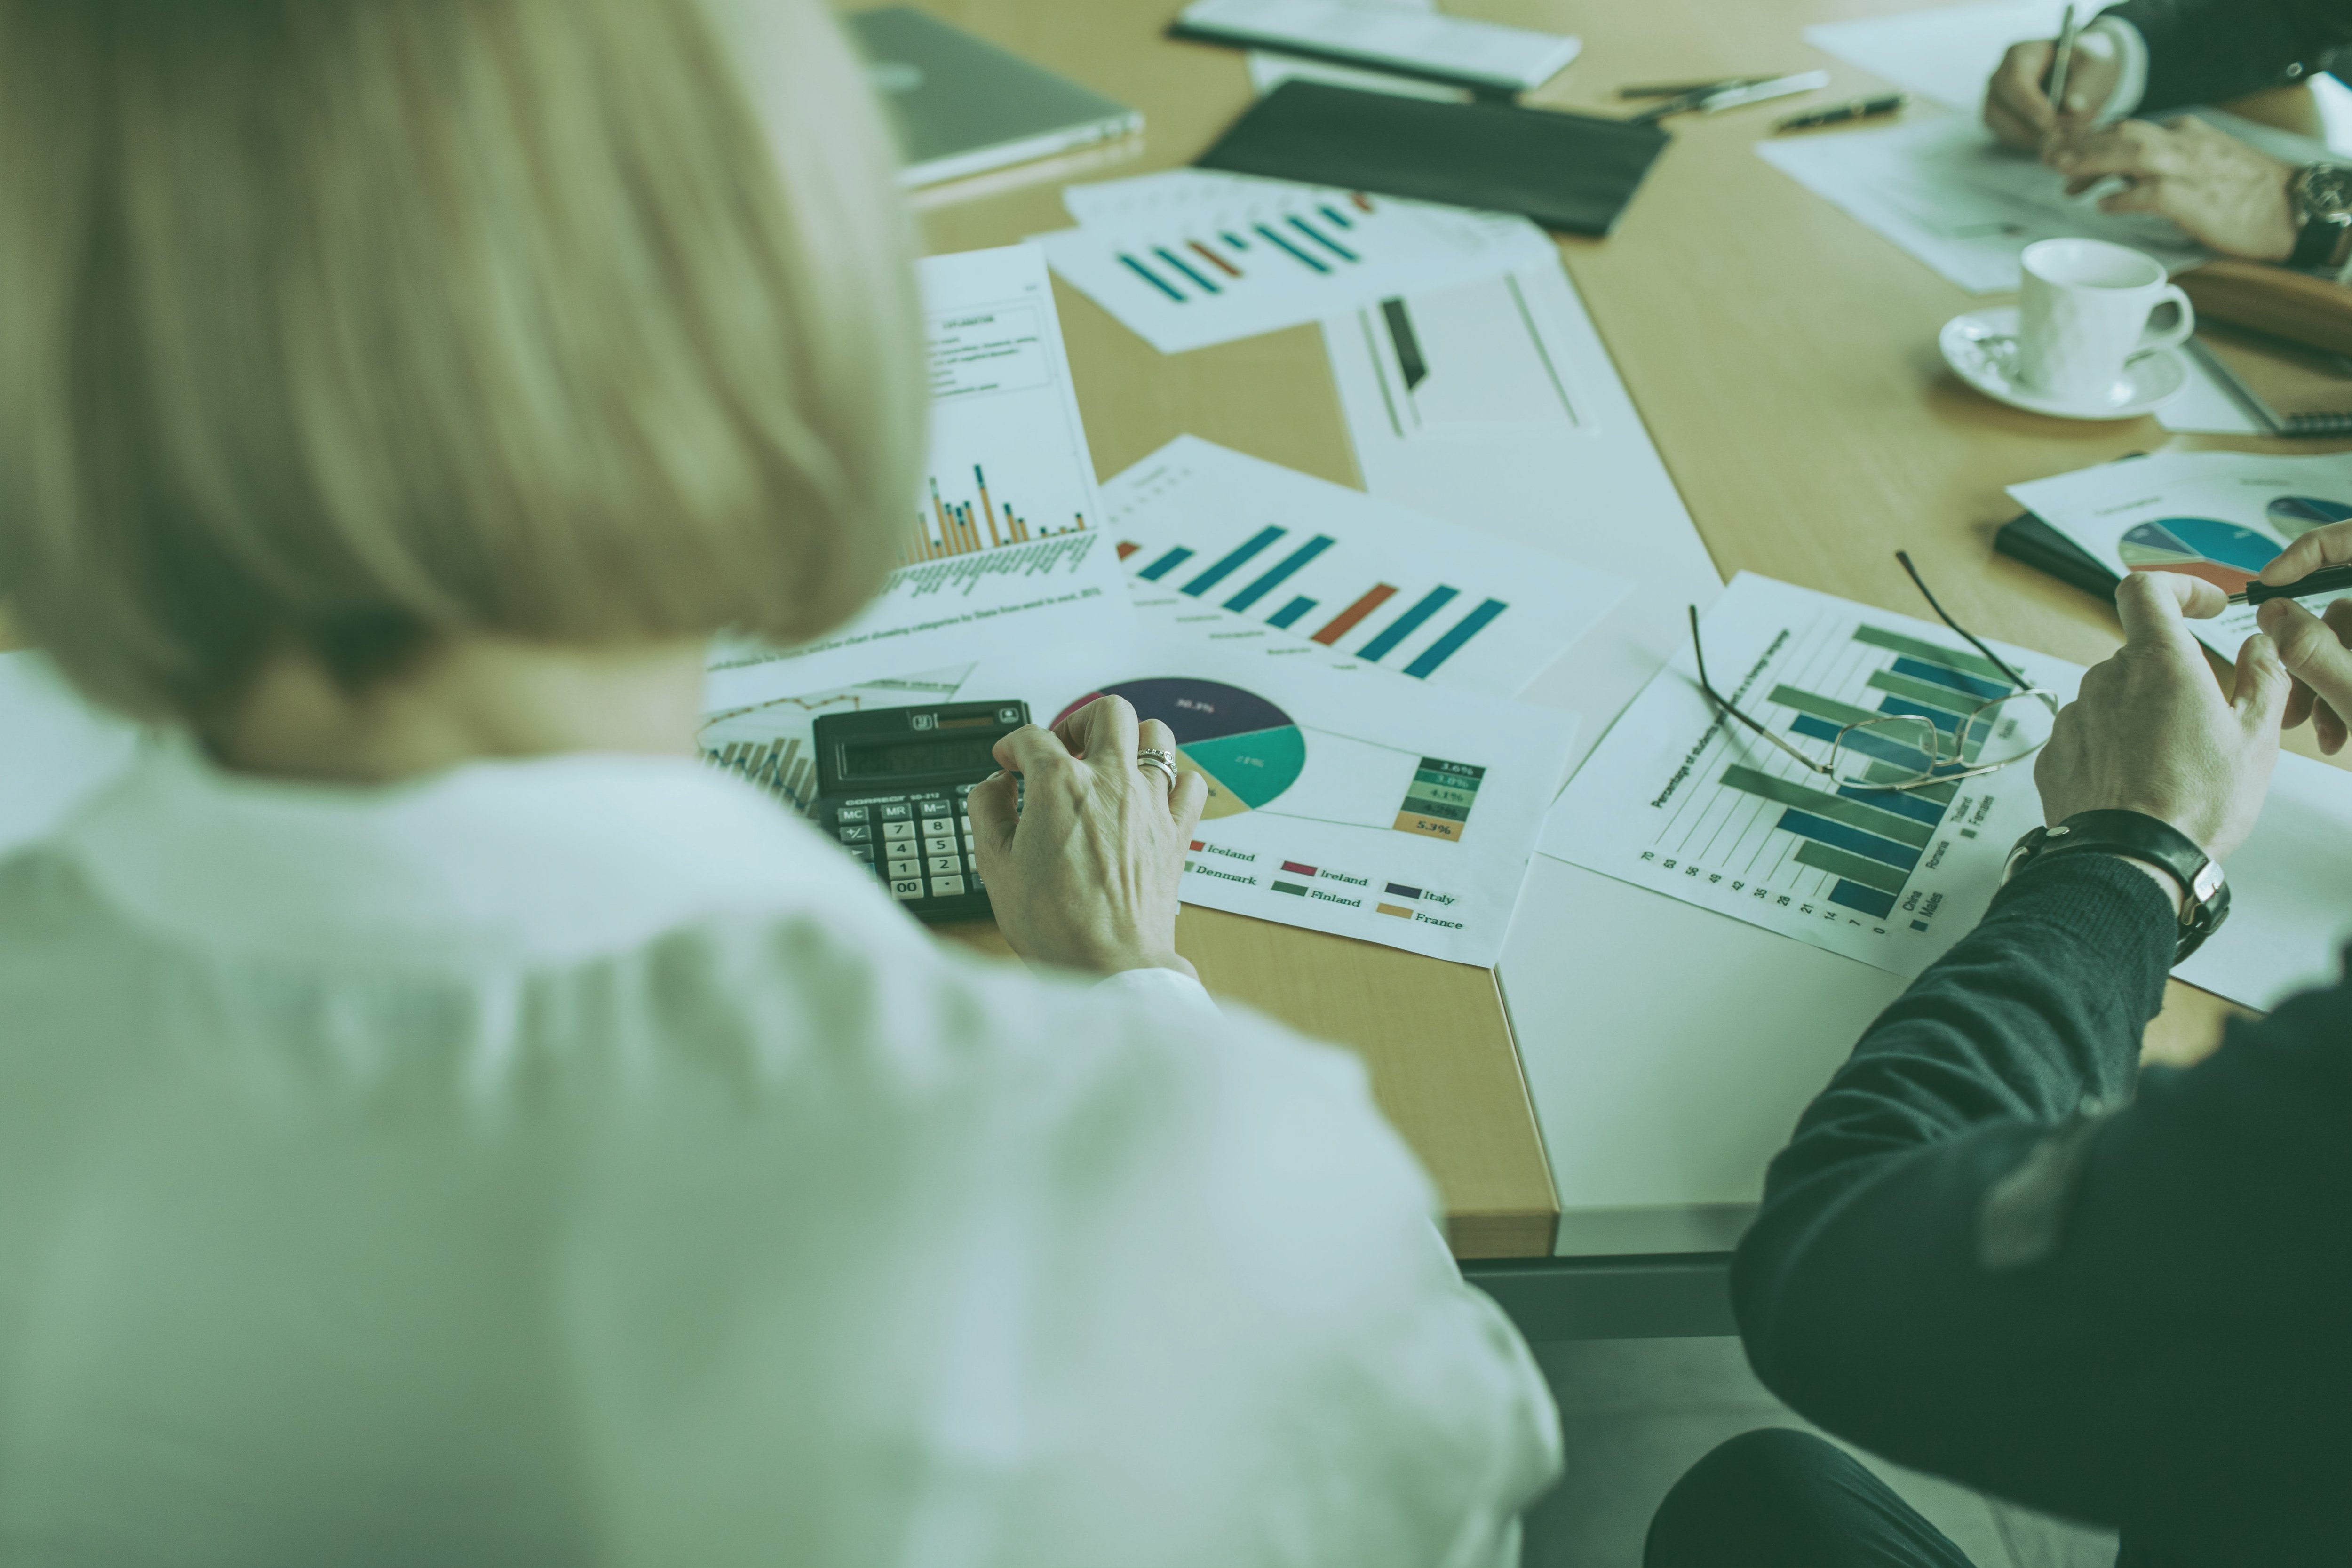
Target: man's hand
[(2151, 731), (2313, 647), (2018, 107), (2226, 194), (1084, 873)]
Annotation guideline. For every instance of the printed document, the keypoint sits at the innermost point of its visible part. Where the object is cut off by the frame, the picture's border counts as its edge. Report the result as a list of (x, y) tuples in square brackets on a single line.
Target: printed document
[(1003, 539)]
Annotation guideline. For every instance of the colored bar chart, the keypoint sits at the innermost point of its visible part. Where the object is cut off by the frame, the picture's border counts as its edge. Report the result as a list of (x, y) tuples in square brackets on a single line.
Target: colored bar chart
[(961, 528), (1282, 572), (1286, 555), (1233, 561), (1869, 839), (1404, 626)]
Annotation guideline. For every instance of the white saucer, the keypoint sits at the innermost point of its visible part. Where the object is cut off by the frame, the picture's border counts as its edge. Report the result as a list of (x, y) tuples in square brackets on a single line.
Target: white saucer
[(1982, 347)]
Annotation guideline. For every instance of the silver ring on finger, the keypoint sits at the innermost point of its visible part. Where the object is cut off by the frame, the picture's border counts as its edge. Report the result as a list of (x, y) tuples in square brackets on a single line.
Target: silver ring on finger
[(1160, 762)]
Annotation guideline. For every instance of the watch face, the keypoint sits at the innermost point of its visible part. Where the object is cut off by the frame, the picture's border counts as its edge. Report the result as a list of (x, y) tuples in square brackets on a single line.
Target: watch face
[(2326, 190)]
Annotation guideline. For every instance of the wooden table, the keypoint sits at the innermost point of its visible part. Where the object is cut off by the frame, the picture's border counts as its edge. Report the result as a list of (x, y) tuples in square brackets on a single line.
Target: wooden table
[(1784, 358)]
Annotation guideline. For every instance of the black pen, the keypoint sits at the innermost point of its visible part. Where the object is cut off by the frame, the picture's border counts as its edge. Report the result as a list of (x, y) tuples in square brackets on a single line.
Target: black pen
[(2327, 580), (1856, 109)]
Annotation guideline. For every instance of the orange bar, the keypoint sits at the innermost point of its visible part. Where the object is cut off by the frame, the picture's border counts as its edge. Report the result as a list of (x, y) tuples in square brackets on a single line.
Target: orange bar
[(1082, 521), (1344, 621), (941, 511)]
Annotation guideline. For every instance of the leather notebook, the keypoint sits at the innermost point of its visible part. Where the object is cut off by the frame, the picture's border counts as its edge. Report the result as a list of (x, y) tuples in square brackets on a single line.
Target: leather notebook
[(1567, 172)]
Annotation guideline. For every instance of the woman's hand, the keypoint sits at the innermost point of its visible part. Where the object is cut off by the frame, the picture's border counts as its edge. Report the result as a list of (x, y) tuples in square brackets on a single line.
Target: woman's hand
[(1082, 873), (2222, 190), (2313, 647)]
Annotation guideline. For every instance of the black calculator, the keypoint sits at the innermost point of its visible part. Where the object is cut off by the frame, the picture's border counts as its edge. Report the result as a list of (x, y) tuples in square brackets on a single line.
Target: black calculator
[(891, 784)]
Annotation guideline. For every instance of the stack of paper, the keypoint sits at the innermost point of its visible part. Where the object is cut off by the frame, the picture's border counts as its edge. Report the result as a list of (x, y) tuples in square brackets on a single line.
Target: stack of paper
[(1946, 192), (1192, 258)]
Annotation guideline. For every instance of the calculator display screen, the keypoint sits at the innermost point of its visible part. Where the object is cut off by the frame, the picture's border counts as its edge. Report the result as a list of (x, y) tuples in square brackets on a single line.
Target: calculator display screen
[(919, 757)]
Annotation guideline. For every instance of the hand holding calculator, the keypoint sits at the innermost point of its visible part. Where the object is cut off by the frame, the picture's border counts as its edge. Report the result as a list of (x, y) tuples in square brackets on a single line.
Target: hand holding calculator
[(892, 785)]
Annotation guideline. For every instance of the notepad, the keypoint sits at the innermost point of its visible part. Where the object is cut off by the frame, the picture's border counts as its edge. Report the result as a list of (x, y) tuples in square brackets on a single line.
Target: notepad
[(1567, 172)]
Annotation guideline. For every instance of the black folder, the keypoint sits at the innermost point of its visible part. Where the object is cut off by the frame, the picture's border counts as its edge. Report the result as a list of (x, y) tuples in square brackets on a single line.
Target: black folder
[(1567, 172), (2027, 538)]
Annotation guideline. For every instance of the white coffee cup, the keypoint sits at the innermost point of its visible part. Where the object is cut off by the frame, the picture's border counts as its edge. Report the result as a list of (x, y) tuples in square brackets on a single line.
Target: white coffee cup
[(2089, 307)]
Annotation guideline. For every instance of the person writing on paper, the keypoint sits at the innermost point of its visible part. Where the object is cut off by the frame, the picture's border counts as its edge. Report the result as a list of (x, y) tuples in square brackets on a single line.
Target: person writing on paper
[(1997, 1249), (2147, 57), (441, 1120)]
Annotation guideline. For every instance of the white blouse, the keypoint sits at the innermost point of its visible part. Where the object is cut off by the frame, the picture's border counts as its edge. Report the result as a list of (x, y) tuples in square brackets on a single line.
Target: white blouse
[(577, 1161)]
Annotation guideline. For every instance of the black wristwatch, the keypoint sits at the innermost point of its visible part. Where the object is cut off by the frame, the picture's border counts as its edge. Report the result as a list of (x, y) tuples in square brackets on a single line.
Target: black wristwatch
[(2322, 194), (2204, 893)]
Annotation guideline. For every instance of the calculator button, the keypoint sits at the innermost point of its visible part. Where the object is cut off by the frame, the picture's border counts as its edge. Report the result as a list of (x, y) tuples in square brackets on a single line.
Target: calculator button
[(906, 867), (861, 852), (935, 825), (946, 887), (942, 845), (897, 830), (907, 887), (856, 835), (943, 866), (898, 813), (850, 813)]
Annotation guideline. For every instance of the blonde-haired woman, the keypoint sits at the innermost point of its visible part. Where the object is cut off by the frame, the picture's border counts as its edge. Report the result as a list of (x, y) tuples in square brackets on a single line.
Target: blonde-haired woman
[(439, 1122)]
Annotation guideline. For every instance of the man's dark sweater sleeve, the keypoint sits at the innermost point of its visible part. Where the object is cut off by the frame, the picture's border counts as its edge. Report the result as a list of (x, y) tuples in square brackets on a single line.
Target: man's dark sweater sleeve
[(2203, 51), (1970, 1260)]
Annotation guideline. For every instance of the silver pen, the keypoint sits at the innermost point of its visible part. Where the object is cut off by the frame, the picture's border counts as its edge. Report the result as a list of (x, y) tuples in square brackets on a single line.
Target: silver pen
[(2062, 61), (2219, 369)]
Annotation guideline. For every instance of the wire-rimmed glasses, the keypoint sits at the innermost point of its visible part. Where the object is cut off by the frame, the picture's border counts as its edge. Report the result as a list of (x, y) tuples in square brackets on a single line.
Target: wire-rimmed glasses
[(1942, 715)]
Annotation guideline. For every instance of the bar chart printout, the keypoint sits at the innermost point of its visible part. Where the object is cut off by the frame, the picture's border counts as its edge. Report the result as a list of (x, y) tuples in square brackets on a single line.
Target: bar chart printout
[(1249, 549), (1002, 545), (1683, 801)]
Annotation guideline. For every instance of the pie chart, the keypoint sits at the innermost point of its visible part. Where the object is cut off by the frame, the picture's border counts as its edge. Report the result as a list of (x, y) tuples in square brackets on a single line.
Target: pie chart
[(2294, 516), (2222, 554), (1248, 749)]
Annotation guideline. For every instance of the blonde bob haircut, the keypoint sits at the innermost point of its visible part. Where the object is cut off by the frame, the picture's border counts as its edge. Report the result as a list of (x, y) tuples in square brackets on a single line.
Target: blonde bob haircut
[(345, 327)]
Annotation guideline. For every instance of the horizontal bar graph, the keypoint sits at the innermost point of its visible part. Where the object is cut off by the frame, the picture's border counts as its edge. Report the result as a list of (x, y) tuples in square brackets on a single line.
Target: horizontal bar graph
[(954, 528), (1869, 840)]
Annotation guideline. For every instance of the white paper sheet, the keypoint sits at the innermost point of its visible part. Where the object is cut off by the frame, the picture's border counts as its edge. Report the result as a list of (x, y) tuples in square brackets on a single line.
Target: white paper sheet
[(2290, 893), (1004, 542), (1558, 461), (1944, 191), (1365, 805), (1249, 554), (1683, 800), (1947, 54), (2205, 405), (2219, 516), (54, 749), (1191, 257)]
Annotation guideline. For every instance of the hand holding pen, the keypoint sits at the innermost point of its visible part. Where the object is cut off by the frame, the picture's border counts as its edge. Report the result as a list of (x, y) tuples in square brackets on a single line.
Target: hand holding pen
[(2316, 649)]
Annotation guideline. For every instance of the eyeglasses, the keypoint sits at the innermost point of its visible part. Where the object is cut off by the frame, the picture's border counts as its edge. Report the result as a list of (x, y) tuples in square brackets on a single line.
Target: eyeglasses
[(1944, 719)]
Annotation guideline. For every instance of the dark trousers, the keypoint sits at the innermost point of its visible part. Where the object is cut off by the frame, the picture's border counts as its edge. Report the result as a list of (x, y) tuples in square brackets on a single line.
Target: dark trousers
[(1779, 1499)]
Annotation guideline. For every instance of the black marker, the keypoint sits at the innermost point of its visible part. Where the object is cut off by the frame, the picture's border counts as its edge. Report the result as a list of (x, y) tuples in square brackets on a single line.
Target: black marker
[(1856, 109), (2327, 580)]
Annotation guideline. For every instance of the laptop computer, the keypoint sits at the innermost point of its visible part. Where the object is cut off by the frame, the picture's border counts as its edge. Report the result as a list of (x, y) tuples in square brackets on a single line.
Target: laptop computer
[(963, 107)]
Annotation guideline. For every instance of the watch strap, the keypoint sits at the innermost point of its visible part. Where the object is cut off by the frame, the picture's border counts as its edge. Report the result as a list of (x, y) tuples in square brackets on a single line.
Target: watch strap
[(2135, 836), (2323, 231)]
